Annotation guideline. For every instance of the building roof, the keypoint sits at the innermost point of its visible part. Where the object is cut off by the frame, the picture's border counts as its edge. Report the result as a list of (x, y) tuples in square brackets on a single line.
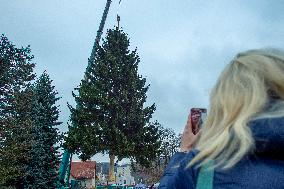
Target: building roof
[(83, 170)]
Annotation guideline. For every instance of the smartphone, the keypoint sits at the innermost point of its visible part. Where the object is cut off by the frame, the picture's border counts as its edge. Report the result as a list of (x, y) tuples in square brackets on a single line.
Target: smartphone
[(197, 117)]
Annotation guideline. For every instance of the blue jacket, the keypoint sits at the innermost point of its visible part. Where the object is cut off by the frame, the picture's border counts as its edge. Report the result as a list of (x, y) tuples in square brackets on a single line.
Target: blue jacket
[(264, 169)]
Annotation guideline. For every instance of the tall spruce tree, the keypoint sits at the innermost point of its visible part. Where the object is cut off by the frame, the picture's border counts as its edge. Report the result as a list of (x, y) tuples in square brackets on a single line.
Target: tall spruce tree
[(42, 171), (110, 114), (16, 73)]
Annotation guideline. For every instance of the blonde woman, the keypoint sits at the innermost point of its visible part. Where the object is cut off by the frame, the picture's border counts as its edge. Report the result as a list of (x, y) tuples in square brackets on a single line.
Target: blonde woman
[(243, 135)]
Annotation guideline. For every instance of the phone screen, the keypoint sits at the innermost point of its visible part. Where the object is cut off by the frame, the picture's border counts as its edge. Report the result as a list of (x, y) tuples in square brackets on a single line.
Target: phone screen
[(197, 116)]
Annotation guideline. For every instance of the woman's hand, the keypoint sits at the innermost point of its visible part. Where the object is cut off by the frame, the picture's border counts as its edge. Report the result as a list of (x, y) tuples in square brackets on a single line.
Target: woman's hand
[(188, 139)]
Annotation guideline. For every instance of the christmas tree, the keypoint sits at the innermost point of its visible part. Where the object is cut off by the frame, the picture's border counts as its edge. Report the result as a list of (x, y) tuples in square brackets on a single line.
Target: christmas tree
[(110, 114), (43, 167)]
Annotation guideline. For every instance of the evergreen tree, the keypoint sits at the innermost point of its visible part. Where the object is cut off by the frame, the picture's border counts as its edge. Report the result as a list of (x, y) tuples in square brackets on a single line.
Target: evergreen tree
[(42, 172), (110, 115), (28, 116), (16, 73)]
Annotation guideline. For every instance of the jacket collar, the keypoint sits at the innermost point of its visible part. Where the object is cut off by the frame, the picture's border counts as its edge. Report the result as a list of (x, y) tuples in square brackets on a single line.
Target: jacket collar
[(268, 134)]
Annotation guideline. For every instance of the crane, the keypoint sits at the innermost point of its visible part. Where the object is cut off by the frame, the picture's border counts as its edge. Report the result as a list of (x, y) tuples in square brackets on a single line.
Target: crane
[(64, 169)]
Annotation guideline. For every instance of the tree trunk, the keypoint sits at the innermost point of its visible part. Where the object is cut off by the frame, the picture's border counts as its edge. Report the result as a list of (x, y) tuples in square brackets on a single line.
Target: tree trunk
[(111, 177)]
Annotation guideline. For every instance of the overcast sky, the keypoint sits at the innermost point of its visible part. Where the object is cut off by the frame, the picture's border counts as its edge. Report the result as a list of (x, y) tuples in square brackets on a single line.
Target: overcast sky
[(183, 44)]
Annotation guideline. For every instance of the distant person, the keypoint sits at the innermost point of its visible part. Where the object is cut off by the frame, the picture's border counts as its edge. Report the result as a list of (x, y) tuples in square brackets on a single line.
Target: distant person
[(243, 135)]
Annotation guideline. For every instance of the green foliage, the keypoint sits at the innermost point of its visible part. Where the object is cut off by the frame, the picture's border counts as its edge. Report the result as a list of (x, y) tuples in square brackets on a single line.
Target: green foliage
[(16, 73), (28, 116), (42, 169), (170, 145), (110, 115)]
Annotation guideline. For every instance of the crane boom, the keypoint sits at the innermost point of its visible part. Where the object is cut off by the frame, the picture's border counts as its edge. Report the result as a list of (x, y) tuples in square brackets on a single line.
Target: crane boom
[(66, 160), (99, 34)]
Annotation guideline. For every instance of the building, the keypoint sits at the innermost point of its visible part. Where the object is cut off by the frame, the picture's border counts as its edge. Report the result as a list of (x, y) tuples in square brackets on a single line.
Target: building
[(102, 170), (102, 167), (123, 175), (84, 172)]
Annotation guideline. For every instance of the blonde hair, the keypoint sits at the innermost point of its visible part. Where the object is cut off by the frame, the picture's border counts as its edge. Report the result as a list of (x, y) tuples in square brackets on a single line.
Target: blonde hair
[(240, 95)]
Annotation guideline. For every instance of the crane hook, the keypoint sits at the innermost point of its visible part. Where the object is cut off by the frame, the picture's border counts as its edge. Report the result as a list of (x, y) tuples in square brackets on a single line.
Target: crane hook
[(118, 20), (117, 16)]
